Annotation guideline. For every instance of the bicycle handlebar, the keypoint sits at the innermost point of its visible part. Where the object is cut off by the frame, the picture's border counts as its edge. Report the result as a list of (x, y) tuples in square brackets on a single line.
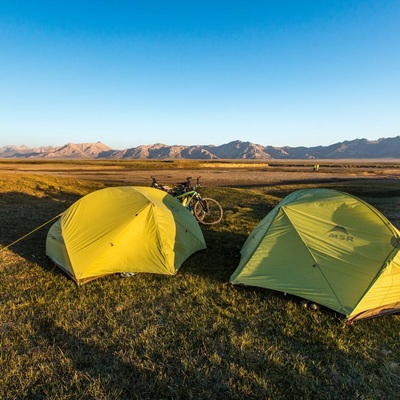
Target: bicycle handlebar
[(186, 185)]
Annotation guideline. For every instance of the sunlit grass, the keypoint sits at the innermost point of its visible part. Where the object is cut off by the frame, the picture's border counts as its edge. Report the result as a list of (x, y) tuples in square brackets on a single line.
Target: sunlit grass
[(187, 336)]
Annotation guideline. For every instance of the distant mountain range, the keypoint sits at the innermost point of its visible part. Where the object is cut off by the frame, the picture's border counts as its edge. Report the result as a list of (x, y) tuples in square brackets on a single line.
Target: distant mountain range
[(358, 148)]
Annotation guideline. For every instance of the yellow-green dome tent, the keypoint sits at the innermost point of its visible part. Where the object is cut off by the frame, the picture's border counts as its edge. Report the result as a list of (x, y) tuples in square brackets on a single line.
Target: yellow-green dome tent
[(327, 247), (123, 229)]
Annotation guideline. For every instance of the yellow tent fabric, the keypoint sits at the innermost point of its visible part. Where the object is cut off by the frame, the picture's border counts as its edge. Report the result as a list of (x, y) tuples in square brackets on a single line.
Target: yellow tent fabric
[(328, 247), (123, 229)]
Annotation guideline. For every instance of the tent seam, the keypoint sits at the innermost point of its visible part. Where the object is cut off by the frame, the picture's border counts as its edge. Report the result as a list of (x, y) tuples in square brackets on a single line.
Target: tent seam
[(315, 261)]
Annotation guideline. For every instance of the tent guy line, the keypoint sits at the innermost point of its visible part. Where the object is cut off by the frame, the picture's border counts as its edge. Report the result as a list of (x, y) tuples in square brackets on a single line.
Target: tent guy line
[(31, 232)]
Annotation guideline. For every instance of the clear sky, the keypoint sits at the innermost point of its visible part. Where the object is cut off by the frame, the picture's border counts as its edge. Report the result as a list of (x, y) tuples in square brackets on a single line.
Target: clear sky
[(272, 72)]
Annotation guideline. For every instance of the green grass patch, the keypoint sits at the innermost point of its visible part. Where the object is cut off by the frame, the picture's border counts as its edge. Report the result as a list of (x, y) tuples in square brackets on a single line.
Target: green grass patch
[(176, 337)]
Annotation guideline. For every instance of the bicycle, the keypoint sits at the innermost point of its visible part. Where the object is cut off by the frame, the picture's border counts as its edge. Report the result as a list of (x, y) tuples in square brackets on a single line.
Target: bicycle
[(206, 210)]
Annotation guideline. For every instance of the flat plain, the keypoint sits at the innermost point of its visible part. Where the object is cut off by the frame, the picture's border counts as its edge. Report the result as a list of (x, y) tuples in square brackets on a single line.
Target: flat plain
[(191, 335), (228, 173)]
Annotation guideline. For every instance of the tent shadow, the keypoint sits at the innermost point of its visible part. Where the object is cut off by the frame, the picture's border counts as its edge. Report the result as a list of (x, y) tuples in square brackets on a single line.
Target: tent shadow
[(219, 260), (90, 362), (25, 220)]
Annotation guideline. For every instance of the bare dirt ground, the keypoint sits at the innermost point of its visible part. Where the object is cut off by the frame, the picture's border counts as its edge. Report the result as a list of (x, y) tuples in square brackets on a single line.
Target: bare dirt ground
[(229, 174), (241, 177)]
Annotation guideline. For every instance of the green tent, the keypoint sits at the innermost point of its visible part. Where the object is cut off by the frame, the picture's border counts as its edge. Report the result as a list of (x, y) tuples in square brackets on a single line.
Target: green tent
[(327, 247), (123, 229)]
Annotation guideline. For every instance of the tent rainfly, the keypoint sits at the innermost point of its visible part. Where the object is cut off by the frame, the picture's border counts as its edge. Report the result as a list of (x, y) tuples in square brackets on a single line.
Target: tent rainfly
[(328, 247), (123, 229)]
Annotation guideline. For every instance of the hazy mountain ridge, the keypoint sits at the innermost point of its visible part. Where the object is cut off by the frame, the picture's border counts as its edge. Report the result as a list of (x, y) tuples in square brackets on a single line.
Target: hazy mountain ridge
[(358, 148)]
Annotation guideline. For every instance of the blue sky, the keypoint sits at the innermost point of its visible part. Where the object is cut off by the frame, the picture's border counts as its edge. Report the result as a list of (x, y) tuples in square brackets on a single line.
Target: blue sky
[(273, 72)]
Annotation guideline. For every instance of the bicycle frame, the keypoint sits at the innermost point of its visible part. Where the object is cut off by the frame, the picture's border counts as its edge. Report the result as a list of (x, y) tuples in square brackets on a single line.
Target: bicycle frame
[(187, 197), (206, 210)]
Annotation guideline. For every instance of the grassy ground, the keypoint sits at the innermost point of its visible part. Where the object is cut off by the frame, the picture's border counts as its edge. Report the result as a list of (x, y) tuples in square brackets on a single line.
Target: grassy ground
[(188, 336)]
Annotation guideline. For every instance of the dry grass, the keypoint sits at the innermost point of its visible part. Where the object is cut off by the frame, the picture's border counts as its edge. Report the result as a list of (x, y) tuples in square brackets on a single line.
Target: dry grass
[(181, 337)]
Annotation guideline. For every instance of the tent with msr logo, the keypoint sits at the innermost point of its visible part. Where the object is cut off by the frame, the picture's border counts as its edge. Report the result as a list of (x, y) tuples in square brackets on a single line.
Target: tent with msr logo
[(328, 247)]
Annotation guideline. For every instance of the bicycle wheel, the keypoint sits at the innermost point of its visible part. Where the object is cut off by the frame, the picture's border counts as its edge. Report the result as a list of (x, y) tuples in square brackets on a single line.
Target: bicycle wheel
[(208, 211)]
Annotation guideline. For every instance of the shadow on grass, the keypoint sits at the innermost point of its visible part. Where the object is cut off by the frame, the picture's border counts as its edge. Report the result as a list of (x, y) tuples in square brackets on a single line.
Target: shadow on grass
[(95, 371), (25, 221), (89, 367), (220, 259)]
